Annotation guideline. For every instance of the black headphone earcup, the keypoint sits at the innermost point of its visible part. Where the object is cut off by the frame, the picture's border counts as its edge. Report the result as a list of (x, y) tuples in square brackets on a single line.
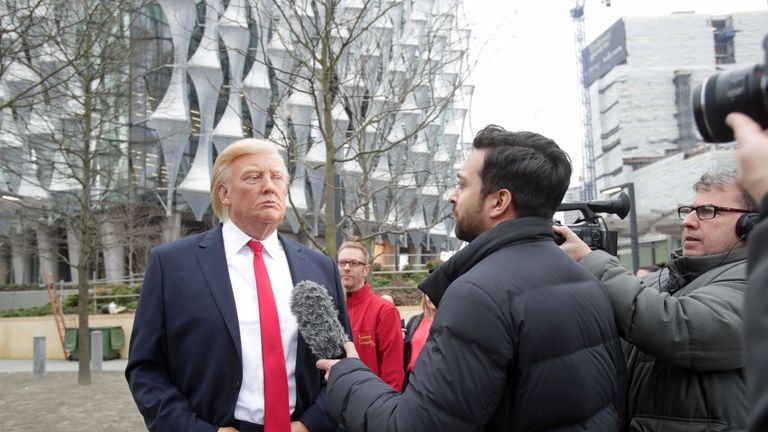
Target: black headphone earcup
[(745, 224)]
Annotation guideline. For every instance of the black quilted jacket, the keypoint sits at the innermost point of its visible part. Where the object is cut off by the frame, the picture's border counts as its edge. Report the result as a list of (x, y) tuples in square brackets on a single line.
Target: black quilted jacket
[(523, 340)]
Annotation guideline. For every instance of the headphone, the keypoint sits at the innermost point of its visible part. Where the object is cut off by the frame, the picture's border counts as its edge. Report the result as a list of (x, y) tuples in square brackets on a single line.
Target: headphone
[(745, 224)]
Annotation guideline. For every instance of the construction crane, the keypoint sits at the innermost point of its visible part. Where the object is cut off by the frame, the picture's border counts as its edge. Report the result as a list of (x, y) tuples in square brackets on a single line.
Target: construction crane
[(587, 145)]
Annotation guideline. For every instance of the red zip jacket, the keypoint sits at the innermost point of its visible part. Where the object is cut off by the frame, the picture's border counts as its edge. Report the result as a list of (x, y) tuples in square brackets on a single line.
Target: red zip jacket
[(377, 334)]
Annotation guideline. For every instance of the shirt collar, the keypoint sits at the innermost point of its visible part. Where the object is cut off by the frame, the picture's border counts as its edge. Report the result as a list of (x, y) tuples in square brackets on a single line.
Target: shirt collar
[(235, 240)]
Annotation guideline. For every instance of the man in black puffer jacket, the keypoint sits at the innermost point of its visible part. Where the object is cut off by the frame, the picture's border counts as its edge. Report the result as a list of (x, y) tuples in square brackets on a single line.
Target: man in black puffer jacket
[(524, 339)]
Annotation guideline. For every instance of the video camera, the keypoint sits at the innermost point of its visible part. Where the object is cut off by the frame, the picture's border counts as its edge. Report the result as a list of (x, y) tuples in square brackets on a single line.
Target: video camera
[(744, 90), (591, 227)]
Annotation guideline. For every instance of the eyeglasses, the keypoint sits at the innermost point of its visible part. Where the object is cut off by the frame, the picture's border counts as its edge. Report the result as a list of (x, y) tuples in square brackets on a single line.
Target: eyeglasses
[(351, 263), (705, 212)]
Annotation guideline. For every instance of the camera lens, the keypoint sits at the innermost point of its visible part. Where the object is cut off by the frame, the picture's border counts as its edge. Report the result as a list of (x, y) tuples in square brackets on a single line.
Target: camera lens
[(742, 90)]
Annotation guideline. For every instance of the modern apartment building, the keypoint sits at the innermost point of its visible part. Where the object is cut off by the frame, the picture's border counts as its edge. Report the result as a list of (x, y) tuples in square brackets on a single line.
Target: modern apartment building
[(641, 74), (380, 86)]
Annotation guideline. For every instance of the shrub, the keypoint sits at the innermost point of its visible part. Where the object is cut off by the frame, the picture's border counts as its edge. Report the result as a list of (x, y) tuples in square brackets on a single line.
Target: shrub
[(27, 311), (404, 296), (105, 295), (381, 281)]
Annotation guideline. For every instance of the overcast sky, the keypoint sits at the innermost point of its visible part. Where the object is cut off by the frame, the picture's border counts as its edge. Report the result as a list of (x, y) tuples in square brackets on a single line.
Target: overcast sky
[(525, 78)]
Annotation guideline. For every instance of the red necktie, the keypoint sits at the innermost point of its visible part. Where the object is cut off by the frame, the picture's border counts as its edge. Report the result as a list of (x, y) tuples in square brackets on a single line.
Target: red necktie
[(276, 410)]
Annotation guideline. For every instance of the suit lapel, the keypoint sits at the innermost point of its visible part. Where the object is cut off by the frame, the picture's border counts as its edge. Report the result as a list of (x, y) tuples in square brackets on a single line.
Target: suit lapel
[(213, 264), (296, 262)]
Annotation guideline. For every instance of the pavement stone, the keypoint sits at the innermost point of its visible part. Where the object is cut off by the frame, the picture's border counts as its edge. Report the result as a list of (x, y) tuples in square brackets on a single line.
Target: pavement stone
[(56, 402), (13, 365)]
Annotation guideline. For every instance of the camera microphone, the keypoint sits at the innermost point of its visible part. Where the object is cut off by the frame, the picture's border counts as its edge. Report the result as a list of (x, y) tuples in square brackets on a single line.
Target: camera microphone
[(318, 320), (590, 227)]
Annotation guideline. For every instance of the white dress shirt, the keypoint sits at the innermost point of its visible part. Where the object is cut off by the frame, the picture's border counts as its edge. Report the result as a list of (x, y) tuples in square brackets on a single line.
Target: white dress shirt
[(250, 401)]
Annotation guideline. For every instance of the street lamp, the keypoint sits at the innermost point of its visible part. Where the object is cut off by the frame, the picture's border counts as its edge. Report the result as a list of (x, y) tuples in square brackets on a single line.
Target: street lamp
[(630, 188)]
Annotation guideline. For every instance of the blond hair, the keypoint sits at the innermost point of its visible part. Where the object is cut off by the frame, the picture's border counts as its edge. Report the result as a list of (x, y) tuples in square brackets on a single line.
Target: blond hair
[(355, 245), (222, 167)]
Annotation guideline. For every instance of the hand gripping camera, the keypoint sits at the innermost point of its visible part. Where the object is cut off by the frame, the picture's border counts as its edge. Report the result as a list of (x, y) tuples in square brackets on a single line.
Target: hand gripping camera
[(743, 90), (591, 227)]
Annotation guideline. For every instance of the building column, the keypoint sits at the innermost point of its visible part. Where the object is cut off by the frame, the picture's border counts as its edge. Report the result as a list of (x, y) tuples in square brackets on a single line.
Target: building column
[(414, 255), (73, 251), (49, 262), (113, 249), (5, 267), (20, 257), (172, 229)]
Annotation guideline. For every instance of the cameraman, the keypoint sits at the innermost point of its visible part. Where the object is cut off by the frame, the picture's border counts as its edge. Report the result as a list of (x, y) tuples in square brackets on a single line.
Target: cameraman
[(752, 158), (682, 325)]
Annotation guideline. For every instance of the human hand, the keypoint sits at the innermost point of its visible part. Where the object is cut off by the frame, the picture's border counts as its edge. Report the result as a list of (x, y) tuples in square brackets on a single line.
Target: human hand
[(573, 245), (227, 429), (751, 154), (327, 364), (297, 426)]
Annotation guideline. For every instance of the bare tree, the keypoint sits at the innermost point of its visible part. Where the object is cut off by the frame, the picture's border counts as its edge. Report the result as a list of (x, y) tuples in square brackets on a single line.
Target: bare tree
[(369, 104), (65, 125)]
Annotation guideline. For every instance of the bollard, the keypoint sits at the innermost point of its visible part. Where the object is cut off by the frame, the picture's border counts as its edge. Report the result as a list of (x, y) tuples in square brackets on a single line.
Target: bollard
[(97, 351), (38, 356)]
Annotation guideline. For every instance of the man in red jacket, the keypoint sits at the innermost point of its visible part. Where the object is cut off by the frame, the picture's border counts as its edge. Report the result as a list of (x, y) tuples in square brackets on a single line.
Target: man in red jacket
[(375, 322)]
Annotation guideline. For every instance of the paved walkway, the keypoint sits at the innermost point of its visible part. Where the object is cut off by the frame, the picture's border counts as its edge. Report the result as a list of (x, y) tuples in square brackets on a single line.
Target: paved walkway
[(56, 402), (7, 365)]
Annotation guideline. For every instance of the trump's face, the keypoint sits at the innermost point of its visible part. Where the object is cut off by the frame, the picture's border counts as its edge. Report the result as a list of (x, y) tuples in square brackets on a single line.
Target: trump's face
[(255, 193)]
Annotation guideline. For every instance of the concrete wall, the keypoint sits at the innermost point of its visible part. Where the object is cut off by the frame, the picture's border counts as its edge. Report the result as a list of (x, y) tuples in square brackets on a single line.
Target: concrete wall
[(17, 334), (21, 299)]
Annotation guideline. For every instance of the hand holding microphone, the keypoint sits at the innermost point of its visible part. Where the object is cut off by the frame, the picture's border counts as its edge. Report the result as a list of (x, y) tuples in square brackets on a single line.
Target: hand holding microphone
[(319, 325), (327, 364)]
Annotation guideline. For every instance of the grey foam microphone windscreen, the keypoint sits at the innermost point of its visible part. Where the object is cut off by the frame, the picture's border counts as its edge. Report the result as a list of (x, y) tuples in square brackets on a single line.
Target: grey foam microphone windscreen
[(318, 320)]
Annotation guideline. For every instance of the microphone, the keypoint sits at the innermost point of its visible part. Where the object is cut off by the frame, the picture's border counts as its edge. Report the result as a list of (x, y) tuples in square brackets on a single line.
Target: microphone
[(318, 320)]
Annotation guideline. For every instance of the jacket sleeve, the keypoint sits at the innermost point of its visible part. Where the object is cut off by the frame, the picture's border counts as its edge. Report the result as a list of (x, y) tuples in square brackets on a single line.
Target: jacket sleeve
[(456, 384), (700, 331), (316, 417), (161, 404), (389, 347), (756, 327)]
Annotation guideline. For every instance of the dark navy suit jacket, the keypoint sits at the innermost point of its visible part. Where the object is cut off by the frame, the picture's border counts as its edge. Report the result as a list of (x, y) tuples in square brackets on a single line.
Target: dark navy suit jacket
[(185, 367)]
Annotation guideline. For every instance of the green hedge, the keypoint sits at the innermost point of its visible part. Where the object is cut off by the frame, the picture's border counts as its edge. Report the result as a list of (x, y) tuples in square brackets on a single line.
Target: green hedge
[(27, 311), (70, 303)]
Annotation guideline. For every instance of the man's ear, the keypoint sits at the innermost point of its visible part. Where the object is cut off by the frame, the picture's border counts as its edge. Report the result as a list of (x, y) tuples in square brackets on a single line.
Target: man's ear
[(223, 193), (502, 204)]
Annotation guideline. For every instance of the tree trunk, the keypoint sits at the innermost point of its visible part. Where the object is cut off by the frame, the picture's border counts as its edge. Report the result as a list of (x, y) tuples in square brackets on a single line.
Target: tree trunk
[(84, 335)]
